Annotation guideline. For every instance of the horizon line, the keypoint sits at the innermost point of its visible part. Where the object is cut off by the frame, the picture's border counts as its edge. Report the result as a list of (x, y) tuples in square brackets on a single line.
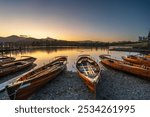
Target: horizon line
[(28, 36)]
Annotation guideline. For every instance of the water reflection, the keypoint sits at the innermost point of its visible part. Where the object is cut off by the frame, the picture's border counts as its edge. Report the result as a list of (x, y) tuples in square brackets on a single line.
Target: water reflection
[(43, 55)]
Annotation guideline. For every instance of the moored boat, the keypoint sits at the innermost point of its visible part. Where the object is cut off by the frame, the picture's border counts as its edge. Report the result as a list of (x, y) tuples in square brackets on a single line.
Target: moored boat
[(135, 69), (104, 56), (88, 70), (26, 58), (6, 59), (25, 86), (137, 60), (15, 66), (147, 56)]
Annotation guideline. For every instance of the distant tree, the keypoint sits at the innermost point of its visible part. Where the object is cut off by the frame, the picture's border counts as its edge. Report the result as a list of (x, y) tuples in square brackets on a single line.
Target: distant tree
[(140, 38)]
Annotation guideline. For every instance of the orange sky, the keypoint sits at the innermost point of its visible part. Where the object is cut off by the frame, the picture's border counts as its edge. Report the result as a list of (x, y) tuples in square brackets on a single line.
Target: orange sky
[(75, 20), (54, 30)]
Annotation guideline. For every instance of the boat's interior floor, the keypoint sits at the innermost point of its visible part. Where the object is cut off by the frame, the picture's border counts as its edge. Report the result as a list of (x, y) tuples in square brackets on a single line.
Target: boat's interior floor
[(88, 69)]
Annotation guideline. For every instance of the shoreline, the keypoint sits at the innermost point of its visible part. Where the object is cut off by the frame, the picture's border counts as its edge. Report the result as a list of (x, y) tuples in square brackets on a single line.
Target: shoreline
[(113, 85), (130, 50), (65, 47), (48, 47)]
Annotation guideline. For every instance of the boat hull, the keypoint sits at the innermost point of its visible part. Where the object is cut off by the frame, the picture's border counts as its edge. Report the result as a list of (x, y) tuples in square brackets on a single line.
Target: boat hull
[(31, 86), (105, 56), (90, 82), (147, 56), (138, 60), (129, 68), (91, 85), (15, 66), (26, 88), (6, 60)]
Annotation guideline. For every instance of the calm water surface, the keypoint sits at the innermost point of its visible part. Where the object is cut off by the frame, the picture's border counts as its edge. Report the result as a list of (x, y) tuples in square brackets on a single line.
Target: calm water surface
[(44, 55)]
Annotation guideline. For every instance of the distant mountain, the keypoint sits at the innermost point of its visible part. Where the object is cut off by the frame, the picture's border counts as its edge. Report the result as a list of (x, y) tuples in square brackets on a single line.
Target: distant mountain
[(15, 38), (49, 39)]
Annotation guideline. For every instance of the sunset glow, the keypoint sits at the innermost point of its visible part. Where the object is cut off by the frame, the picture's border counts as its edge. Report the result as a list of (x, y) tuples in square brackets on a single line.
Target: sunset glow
[(75, 20)]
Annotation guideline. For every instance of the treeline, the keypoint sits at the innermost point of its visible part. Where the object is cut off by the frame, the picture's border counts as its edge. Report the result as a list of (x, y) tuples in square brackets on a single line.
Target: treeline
[(20, 43), (122, 43), (67, 43), (6, 46)]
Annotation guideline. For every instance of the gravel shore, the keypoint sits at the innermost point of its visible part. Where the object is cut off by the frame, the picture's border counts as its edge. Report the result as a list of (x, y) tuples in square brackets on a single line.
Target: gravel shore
[(114, 85)]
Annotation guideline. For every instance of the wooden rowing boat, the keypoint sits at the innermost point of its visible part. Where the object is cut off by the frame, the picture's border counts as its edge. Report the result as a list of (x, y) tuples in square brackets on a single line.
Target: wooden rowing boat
[(24, 86), (15, 66), (88, 70), (105, 56), (135, 69), (6, 59), (147, 56), (137, 60)]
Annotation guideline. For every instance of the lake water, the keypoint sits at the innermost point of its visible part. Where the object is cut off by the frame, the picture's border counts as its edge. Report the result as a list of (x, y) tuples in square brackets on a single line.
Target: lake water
[(45, 54)]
